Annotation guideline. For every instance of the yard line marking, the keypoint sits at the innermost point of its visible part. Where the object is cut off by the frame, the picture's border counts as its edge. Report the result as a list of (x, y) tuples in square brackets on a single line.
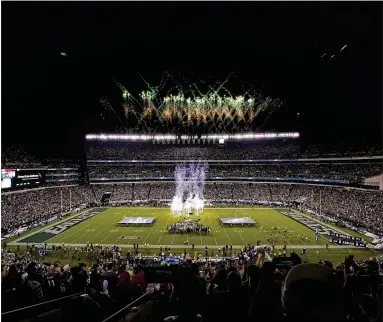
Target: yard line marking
[(240, 234), (211, 227), (251, 231), (227, 234), (109, 233), (76, 231), (174, 237), (149, 233), (163, 230), (86, 223), (106, 228), (106, 237), (89, 222), (101, 231)]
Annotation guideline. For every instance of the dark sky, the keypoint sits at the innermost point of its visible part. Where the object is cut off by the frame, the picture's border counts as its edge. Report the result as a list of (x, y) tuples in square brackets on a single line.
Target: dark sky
[(49, 102)]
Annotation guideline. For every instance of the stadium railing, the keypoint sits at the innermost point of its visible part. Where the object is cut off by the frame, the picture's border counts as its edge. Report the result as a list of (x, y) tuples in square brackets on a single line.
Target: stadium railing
[(117, 316), (37, 309)]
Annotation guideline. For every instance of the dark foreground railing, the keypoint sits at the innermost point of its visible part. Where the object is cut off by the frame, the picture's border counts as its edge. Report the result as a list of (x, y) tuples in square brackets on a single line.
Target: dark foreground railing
[(124, 310), (36, 309)]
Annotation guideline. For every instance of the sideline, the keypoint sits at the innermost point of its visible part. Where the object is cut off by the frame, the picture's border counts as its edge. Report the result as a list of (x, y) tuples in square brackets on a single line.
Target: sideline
[(210, 246)]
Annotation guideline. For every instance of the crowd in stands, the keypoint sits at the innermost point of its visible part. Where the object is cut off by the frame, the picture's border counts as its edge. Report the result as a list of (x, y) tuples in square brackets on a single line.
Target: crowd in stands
[(357, 207), (264, 149), (62, 163), (269, 149), (351, 148), (17, 156), (61, 173), (247, 286), (114, 279), (149, 151), (352, 172), (61, 177), (30, 207)]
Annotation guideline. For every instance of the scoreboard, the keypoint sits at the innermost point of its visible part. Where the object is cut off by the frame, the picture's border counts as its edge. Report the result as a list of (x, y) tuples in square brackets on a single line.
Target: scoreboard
[(20, 178), (29, 178), (34, 178)]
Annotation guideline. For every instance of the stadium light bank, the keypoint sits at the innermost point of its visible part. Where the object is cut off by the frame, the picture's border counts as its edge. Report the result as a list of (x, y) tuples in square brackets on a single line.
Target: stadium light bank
[(171, 137)]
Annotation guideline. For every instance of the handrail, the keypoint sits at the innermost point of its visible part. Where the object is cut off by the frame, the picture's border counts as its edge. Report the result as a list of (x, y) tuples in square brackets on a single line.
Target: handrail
[(126, 307), (41, 304)]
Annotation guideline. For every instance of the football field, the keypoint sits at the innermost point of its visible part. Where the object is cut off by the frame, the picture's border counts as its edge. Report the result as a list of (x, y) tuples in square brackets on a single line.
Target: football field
[(103, 228)]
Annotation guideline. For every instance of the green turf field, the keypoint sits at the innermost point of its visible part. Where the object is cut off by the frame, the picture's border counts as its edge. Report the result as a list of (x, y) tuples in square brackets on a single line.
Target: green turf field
[(103, 229)]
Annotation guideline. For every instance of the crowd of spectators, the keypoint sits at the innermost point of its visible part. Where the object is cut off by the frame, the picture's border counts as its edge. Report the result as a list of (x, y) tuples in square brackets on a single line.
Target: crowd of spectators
[(343, 149), (62, 163), (31, 207), (360, 208), (150, 151), (249, 285), (352, 172), (111, 282), (13, 156), (264, 149)]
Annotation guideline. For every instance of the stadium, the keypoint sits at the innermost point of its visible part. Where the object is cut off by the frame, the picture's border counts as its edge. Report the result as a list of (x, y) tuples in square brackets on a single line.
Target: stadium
[(212, 199), (185, 202), (207, 198), (133, 197)]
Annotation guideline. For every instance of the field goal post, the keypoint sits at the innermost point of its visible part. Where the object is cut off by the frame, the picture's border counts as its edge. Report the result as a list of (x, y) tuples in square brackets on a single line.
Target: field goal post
[(105, 199)]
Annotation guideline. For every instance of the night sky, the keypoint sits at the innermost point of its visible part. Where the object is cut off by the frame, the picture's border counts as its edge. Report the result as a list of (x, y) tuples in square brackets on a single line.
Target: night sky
[(49, 101)]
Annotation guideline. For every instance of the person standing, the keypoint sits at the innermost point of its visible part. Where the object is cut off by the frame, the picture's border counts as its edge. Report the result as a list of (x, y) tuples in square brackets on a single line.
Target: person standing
[(110, 280), (33, 291)]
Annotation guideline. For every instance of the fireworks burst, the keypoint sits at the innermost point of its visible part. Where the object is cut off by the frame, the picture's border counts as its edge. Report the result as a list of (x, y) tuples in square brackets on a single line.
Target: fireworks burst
[(180, 106)]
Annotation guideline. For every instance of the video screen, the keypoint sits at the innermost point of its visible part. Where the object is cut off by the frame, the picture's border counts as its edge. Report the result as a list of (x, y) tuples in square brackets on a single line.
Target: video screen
[(7, 178), (27, 178)]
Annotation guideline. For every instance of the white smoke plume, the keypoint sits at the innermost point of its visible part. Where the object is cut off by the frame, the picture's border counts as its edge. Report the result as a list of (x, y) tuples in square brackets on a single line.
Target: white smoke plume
[(190, 182)]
